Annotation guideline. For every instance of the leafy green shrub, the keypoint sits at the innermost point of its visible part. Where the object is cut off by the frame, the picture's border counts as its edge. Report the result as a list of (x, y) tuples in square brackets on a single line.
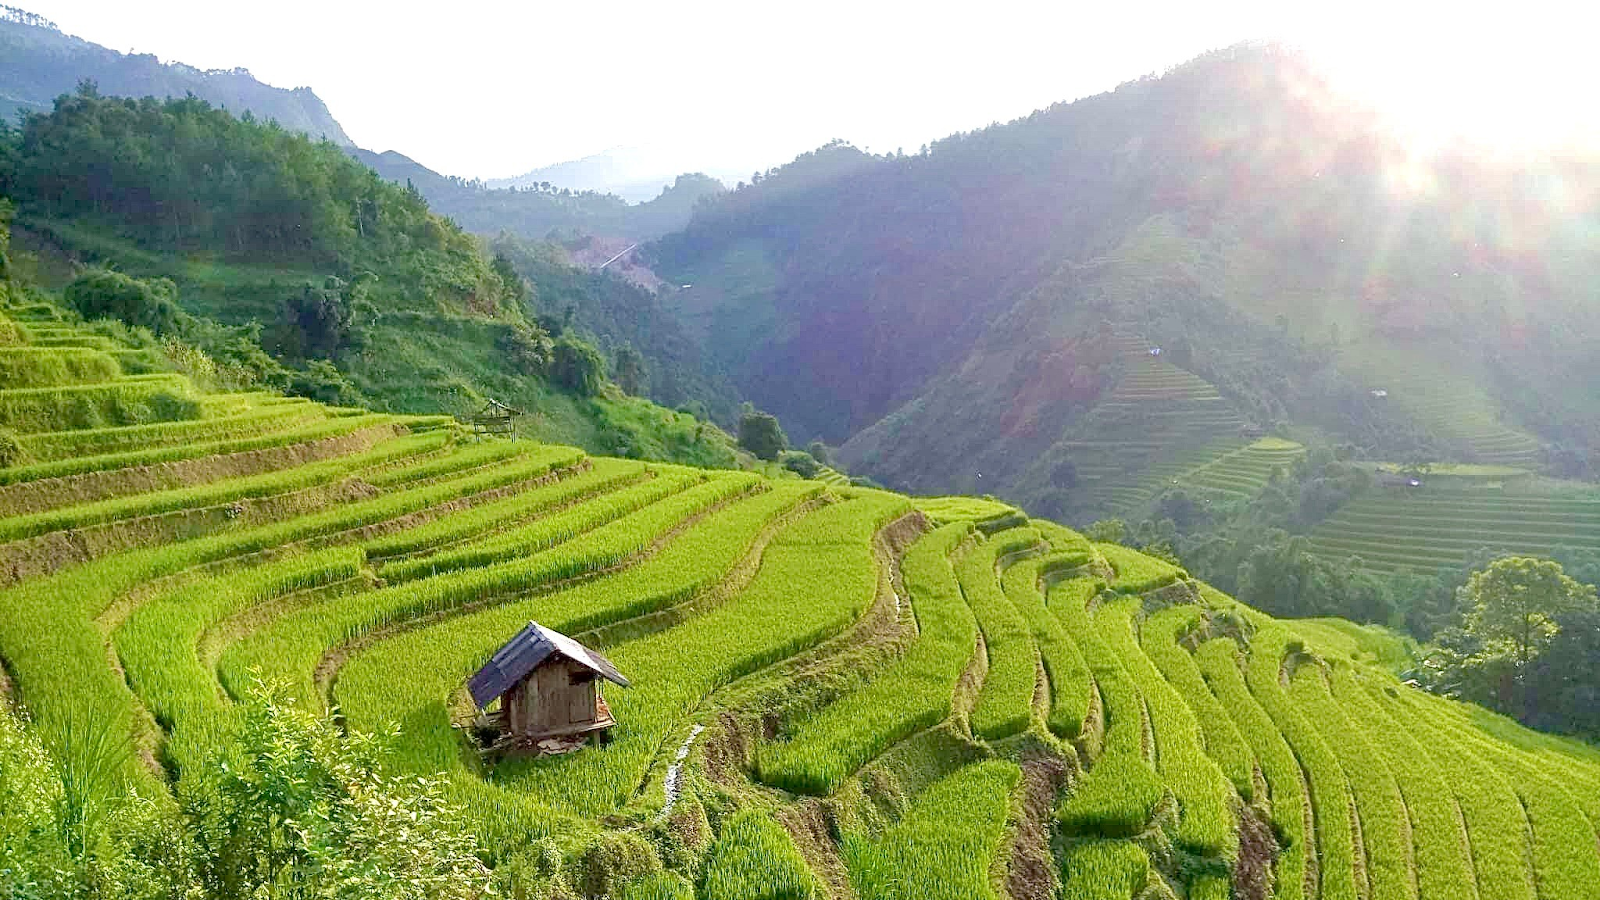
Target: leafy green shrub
[(103, 294), (322, 381), (12, 451), (802, 464), (761, 434), (612, 860), (576, 366), (306, 804), (11, 334), (526, 350)]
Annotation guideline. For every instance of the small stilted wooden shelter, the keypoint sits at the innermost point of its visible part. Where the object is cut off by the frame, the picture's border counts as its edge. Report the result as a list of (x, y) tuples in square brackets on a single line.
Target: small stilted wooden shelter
[(548, 686), (496, 418)]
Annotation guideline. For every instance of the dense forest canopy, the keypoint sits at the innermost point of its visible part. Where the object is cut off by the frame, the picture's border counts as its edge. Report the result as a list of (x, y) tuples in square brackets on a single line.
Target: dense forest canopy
[(180, 175)]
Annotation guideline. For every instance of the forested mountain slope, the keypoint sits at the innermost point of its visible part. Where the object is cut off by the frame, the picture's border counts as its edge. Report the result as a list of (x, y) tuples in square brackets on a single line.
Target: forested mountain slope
[(1235, 212), (298, 268), (38, 64), (833, 692)]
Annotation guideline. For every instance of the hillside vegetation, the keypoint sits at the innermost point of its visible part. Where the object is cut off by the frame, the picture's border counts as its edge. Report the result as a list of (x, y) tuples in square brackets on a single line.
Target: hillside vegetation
[(973, 307), (835, 691), (314, 275), (38, 63)]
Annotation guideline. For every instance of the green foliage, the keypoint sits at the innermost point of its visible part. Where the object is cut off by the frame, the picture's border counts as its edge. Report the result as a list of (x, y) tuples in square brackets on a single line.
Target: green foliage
[(613, 860), (168, 175), (761, 434), (103, 294), (13, 452), (1516, 602), (319, 322), (628, 370), (576, 366), (1106, 531), (754, 858), (307, 811), (802, 464)]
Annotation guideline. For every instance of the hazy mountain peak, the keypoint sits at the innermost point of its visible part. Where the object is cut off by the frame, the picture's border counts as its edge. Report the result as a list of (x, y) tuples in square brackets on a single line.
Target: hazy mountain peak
[(38, 62)]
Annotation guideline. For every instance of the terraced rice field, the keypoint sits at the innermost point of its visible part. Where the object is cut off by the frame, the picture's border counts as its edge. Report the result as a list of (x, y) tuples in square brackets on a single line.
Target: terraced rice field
[(1159, 423), (1430, 526), (1470, 420), (853, 696), (1244, 472)]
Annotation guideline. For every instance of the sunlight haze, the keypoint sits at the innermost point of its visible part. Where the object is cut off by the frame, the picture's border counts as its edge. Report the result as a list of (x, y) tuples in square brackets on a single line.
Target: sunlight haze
[(493, 90)]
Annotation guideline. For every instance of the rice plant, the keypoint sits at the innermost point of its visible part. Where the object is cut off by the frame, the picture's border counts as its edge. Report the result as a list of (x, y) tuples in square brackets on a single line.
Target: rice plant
[(1064, 668), (1005, 704), (943, 848), (912, 694), (753, 858)]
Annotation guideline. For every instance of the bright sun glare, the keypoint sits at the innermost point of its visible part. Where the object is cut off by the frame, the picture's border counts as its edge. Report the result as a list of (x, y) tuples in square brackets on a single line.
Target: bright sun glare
[(1509, 87)]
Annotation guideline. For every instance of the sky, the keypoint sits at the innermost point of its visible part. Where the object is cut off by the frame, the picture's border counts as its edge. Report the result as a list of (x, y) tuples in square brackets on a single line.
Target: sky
[(495, 89)]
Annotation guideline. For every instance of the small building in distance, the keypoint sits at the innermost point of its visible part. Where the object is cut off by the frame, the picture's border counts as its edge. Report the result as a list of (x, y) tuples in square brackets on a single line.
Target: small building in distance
[(496, 418), (548, 686)]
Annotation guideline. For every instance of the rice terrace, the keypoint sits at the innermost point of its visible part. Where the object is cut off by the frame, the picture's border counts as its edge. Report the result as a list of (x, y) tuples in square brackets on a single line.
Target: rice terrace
[(946, 693), (1188, 491)]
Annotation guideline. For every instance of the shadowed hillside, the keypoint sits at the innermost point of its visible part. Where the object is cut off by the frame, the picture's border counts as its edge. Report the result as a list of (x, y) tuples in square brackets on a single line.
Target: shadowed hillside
[(1235, 211)]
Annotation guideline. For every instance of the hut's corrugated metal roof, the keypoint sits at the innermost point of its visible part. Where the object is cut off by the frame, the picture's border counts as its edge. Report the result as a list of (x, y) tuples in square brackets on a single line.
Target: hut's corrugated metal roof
[(527, 651)]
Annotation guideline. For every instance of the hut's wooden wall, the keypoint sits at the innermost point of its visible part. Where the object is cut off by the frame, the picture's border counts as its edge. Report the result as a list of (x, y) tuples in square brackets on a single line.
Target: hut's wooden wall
[(556, 697)]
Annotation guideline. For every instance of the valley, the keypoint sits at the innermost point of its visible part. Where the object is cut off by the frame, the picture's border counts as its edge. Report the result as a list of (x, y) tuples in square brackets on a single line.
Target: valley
[(1186, 492)]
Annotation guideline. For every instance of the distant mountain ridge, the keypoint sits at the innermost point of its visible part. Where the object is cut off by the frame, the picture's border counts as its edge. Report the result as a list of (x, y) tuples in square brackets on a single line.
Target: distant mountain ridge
[(629, 173), (947, 317), (39, 63)]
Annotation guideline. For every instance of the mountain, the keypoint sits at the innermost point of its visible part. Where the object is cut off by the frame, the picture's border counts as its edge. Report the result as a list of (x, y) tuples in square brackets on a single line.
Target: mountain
[(987, 315), (630, 173), (295, 267), (38, 64), (535, 212)]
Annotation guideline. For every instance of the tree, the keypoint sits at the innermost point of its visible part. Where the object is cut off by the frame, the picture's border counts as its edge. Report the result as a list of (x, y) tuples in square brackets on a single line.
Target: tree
[(516, 285), (103, 294), (1517, 600), (819, 452), (1106, 531), (577, 366), (628, 370), (761, 434), (320, 321)]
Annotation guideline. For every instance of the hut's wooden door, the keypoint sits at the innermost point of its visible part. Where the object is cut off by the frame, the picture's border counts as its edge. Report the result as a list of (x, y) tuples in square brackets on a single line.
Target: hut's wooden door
[(581, 698)]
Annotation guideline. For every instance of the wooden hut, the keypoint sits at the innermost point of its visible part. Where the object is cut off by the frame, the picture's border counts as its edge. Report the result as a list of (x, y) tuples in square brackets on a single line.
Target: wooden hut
[(496, 418), (548, 686)]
